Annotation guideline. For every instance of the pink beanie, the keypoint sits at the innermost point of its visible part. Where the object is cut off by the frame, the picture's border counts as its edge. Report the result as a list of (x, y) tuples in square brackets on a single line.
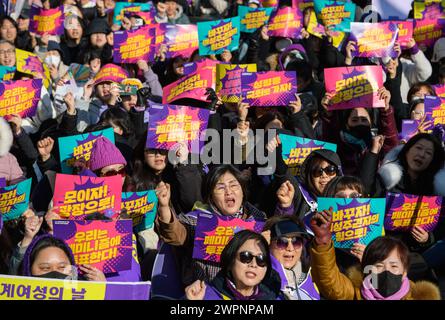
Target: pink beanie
[(105, 153)]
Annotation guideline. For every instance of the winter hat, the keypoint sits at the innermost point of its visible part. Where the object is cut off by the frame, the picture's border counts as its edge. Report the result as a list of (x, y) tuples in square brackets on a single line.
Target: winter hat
[(53, 45), (104, 153), (5, 137), (98, 26)]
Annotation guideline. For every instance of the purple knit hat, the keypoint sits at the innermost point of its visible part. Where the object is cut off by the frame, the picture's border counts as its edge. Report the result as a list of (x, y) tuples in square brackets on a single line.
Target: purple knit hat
[(105, 153), (26, 266)]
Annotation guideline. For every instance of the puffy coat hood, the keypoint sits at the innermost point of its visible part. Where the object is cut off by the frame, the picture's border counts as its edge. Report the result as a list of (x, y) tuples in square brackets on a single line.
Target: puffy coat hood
[(6, 137)]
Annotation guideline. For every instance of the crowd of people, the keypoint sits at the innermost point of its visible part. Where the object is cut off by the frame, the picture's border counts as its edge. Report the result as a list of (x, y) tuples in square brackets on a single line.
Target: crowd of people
[(291, 259)]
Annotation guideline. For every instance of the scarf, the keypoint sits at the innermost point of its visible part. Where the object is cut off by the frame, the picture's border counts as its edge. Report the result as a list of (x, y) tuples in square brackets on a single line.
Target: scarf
[(350, 139), (239, 296), (369, 293)]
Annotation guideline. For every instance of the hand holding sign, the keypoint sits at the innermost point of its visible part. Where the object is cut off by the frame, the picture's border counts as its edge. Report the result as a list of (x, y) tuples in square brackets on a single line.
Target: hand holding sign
[(50, 216), (321, 226), (385, 95), (419, 234), (92, 273), (196, 291), (357, 250), (350, 47)]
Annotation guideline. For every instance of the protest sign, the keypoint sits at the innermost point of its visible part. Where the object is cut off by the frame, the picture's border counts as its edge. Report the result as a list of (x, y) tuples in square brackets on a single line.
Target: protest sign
[(228, 80), (19, 97), (269, 88), (14, 200), (253, 18), (141, 206), (434, 110), (44, 21), (30, 63), (286, 22), (203, 64), (427, 31), (217, 36), (7, 73), (405, 32), (354, 87), (296, 149), (213, 232), (354, 220), (106, 245), (134, 45), (374, 39), (79, 146), (440, 90), (180, 39), (409, 129), (338, 14), (316, 29), (405, 211), (78, 196), (125, 7), (429, 9)]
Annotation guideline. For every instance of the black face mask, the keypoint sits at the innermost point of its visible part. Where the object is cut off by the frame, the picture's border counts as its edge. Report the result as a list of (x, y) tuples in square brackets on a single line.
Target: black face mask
[(388, 283), (362, 132), (54, 275)]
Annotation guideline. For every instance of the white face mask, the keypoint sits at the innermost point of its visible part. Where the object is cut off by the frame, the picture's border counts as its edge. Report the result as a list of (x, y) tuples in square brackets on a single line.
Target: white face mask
[(52, 60)]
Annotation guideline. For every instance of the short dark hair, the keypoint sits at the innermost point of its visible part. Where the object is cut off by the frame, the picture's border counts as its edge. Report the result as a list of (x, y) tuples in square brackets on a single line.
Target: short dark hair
[(313, 163), (341, 183), (211, 179), (380, 248), (229, 254), (416, 88), (268, 117), (120, 118)]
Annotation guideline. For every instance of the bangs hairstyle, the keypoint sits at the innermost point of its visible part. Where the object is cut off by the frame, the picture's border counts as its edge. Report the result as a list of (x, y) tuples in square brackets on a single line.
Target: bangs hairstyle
[(417, 87), (230, 252), (211, 179), (380, 248), (262, 122), (341, 183)]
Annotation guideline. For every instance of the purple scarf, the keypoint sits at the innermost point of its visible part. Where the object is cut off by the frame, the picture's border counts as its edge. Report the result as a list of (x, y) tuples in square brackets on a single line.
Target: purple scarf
[(369, 293), (239, 296)]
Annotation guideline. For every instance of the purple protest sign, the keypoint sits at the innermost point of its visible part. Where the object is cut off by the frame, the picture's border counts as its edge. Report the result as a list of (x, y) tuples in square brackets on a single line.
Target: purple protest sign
[(374, 39), (269, 88), (405, 211), (409, 129), (213, 232), (134, 45), (171, 124), (434, 110), (2, 182)]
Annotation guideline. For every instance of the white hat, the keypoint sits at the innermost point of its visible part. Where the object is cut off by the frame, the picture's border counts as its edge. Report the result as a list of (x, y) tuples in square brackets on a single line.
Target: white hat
[(439, 50)]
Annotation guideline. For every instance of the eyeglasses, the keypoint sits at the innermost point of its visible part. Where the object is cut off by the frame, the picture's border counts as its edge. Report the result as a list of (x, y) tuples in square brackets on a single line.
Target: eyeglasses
[(352, 195), (283, 242), (113, 173), (7, 52), (330, 170), (246, 257), (418, 113), (221, 188)]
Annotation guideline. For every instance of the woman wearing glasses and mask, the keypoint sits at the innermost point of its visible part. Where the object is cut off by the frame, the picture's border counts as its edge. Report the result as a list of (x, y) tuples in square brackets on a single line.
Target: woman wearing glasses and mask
[(246, 273), (288, 238), (224, 192)]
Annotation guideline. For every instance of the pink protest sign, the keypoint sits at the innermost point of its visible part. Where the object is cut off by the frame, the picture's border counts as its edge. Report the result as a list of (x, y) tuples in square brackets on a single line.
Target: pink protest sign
[(440, 90), (170, 124), (77, 196), (405, 32), (374, 39), (269, 88), (134, 45), (46, 21), (19, 97), (427, 31), (181, 40), (106, 245), (286, 22), (193, 86), (406, 211), (213, 232), (354, 87), (193, 67)]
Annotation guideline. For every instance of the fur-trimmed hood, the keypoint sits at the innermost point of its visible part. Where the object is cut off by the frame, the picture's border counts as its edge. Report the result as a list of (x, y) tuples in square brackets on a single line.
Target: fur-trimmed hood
[(391, 172), (420, 290), (6, 137)]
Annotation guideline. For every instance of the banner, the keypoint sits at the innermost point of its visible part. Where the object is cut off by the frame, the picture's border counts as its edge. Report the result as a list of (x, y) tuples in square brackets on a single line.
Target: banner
[(286, 22), (339, 14), (170, 124), (434, 110), (253, 18), (14, 200), (181, 39), (374, 39), (190, 87), (228, 80), (405, 32), (72, 148), (194, 67), (33, 288), (27, 62), (354, 220), (405, 211), (392, 9), (106, 245), (111, 72), (428, 31), (124, 7), (46, 21), (7, 73), (429, 9), (19, 97), (217, 36), (134, 45), (213, 232), (141, 206), (354, 87), (296, 149), (269, 88), (409, 129), (78, 196)]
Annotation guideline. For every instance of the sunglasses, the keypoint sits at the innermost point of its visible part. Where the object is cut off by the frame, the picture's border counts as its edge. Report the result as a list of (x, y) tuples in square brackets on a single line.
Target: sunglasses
[(330, 170), (344, 195), (113, 173), (283, 242), (246, 257)]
